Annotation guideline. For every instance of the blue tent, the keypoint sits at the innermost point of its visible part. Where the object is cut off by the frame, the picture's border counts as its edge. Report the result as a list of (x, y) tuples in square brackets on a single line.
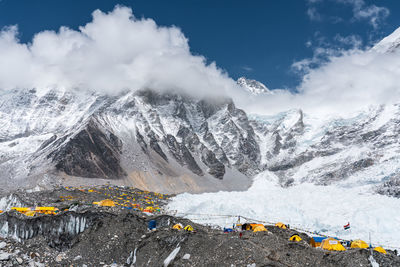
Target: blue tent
[(152, 224), (318, 238)]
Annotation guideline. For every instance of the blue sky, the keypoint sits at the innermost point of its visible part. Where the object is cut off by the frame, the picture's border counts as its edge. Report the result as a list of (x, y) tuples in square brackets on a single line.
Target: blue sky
[(256, 39)]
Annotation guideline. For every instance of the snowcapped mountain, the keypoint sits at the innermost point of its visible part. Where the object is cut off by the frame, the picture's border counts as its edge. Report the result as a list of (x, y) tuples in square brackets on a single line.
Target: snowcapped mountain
[(170, 142), (253, 86), (165, 142), (388, 44), (357, 151)]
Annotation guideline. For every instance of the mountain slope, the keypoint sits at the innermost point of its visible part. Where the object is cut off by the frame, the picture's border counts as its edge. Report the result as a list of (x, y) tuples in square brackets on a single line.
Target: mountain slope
[(127, 136), (361, 150), (179, 143), (389, 44)]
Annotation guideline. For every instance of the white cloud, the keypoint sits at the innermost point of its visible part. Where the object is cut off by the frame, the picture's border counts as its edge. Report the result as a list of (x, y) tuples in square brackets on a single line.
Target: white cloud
[(375, 15), (313, 14), (116, 52), (353, 41), (247, 68), (113, 52), (372, 13), (346, 82), (324, 50)]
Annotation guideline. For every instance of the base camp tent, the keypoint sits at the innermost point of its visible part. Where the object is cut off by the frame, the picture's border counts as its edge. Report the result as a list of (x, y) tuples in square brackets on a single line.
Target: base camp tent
[(281, 225), (315, 241), (359, 244), (259, 228), (295, 238), (188, 228), (332, 244), (177, 226), (152, 224), (380, 250), (254, 225)]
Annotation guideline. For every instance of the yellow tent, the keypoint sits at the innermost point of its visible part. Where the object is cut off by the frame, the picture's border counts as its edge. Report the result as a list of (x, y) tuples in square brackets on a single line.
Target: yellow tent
[(45, 209), (188, 228), (177, 226), (295, 238), (359, 244), (332, 244), (22, 210), (254, 225), (380, 250), (30, 213), (259, 228), (105, 203), (280, 225)]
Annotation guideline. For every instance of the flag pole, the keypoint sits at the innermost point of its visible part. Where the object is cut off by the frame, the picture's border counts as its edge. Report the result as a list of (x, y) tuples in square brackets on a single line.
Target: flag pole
[(370, 244)]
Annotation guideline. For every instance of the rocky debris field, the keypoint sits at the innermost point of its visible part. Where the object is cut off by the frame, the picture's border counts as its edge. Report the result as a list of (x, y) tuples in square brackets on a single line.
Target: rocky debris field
[(86, 234)]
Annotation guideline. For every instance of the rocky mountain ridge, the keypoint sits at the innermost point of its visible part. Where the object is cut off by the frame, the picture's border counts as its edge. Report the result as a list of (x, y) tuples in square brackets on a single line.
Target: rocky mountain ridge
[(148, 137), (97, 136)]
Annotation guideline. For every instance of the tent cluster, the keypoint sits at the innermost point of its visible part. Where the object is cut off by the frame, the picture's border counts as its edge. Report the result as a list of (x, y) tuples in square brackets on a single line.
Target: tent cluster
[(179, 227), (126, 197), (330, 243), (105, 203), (33, 211)]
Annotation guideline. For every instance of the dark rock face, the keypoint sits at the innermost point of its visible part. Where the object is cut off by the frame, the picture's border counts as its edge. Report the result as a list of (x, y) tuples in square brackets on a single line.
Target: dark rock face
[(182, 155), (156, 147), (214, 132), (48, 142), (216, 168), (390, 188), (90, 153)]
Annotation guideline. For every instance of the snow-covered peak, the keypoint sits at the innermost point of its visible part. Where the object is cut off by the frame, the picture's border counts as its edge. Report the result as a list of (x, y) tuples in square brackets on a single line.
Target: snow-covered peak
[(389, 44), (253, 86)]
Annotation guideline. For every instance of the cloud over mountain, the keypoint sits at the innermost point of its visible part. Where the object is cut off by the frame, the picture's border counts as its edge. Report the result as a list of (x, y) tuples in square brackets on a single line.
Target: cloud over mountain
[(116, 52), (347, 81), (113, 52)]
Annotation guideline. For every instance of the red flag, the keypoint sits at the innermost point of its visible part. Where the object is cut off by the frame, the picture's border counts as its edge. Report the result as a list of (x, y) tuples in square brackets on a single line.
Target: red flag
[(347, 226)]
